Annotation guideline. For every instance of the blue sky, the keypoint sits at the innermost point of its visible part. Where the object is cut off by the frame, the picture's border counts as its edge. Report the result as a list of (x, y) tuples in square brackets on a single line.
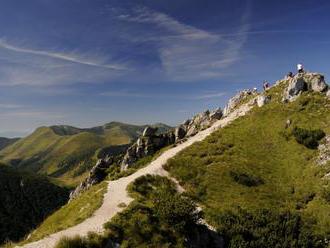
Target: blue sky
[(88, 62)]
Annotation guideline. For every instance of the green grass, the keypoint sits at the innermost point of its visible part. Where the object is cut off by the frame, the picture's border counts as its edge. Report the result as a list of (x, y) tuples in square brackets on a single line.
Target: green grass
[(259, 147), (71, 214)]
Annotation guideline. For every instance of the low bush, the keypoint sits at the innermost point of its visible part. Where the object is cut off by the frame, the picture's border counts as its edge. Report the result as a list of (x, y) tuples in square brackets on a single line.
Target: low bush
[(307, 137), (91, 241), (245, 179), (265, 228)]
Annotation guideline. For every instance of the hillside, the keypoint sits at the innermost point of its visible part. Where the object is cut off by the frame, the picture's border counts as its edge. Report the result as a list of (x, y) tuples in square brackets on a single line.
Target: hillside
[(25, 201), (4, 142), (261, 181), (67, 153)]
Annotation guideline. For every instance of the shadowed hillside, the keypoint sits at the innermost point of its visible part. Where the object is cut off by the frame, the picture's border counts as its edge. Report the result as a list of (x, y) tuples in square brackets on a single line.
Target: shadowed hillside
[(25, 201), (4, 142)]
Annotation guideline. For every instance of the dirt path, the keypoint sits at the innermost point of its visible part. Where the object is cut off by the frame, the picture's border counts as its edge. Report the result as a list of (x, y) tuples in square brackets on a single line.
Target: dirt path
[(117, 193)]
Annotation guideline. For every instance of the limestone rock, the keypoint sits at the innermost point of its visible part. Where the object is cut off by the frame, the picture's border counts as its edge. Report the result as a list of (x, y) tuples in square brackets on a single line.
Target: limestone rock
[(96, 175), (328, 93), (262, 100), (216, 114), (315, 82), (296, 86), (150, 142), (237, 99), (149, 131), (303, 82), (179, 132)]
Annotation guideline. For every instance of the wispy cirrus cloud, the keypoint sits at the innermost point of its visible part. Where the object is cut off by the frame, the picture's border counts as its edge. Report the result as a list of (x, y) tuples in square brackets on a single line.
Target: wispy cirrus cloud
[(60, 56), (132, 94), (188, 53)]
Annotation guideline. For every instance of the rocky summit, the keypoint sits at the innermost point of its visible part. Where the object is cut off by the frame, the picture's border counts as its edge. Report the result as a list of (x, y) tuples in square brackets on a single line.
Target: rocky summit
[(304, 82)]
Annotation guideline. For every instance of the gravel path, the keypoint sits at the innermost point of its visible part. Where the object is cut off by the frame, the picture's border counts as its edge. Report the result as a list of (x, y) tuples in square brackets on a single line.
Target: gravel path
[(117, 193)]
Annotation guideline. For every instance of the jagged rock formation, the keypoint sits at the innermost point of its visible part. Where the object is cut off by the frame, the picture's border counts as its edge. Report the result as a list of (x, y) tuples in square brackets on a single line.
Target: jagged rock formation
[(147, 145), (96, 175), (150, 142), (324, 151), (238, 99), (304, 82)]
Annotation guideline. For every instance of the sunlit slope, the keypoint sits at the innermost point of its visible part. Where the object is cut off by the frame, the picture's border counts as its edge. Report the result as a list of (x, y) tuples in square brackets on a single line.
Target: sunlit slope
[(67, 152), (252, 176)]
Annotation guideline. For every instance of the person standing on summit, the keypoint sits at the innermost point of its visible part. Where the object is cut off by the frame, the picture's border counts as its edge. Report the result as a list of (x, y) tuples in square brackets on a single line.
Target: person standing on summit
[(300, 68)]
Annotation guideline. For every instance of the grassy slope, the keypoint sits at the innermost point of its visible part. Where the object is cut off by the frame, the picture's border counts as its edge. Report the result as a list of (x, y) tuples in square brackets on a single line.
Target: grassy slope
[(259, 145), (72, 213), (63, 152), (25, 201)]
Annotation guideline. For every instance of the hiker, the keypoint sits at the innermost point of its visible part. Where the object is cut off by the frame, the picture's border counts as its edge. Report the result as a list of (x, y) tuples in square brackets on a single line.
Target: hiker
[(289, 75), (300, 68), (265, 85)]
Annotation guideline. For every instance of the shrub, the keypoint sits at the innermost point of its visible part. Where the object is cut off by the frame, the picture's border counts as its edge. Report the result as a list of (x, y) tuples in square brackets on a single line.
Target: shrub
[(307, 137), (266, 228), (176, 211), (91, 241), (246, 179)]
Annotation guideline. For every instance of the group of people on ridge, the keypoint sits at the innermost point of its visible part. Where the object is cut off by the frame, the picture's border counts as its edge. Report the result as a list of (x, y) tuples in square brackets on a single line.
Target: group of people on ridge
[(300, 69)]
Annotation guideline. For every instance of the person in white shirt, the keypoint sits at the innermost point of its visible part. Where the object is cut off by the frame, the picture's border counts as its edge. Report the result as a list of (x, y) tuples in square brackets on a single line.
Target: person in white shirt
[(300, 68)]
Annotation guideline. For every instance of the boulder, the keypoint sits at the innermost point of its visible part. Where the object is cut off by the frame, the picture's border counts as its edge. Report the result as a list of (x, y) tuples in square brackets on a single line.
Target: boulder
[(328, 93), (149, 131), (296, 86), (315, 82), (262, 100), (303, 82), (179, 132)]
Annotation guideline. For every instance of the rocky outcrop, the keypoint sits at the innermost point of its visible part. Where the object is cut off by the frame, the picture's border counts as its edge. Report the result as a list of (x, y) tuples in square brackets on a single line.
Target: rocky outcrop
[(96, 175), (146, 145), (304, 82), (201, 121), (328, 93), (150, 142), (324, 151), (262, 100), (237, 100)]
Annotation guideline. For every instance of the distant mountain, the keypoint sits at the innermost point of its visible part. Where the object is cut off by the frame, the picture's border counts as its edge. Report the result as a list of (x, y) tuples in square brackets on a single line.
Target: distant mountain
[(67, 153), (4, 142), (25, 201)]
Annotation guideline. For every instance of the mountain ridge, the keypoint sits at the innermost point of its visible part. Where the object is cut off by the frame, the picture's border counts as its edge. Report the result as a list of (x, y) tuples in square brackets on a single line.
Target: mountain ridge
[(66, 152)]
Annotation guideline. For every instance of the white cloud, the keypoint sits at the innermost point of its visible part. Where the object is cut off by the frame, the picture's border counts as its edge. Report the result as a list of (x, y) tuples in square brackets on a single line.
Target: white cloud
[(22, 66), (130, 94), (188, 53), (9, 106), (60, 56)]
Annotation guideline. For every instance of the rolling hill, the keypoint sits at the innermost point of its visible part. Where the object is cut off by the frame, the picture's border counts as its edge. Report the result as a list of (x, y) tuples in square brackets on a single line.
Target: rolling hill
[(66, 153)]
